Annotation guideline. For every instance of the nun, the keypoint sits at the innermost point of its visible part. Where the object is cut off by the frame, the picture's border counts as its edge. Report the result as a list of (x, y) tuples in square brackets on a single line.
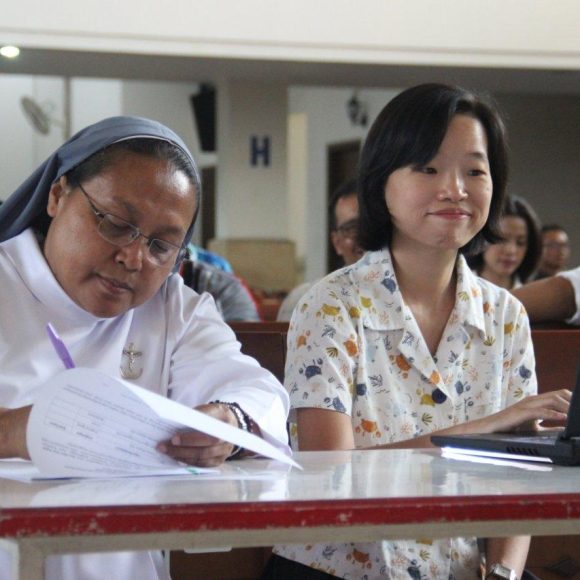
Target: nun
[(90, 242)]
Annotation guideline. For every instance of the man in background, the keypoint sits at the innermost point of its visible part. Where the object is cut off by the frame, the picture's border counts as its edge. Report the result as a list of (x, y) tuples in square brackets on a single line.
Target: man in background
[(343, 224), (555, 253), (233, 299), (552, 299)]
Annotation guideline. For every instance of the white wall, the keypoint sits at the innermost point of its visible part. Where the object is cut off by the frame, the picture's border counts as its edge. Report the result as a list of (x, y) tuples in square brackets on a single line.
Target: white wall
[(298, 200), (251, 200), (510, 33), (23, 148), (94, 99), (17, 152), (328, 124), (170, 104)]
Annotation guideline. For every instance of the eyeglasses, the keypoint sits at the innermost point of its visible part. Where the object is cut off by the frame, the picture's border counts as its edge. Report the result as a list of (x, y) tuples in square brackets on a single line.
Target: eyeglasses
[(348, 229), (120, 232)]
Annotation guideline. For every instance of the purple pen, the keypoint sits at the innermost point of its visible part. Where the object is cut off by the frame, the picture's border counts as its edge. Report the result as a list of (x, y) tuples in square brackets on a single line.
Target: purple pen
[(60, 347)]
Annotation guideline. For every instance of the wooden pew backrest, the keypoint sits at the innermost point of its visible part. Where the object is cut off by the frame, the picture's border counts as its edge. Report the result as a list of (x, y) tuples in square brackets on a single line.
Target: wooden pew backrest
[(268, 348), (557, 351), (557, 358), (268, 326)]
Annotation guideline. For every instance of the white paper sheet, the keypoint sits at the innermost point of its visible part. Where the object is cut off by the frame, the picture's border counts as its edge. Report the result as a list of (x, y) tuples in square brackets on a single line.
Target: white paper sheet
[(27, 471), (85, 423)]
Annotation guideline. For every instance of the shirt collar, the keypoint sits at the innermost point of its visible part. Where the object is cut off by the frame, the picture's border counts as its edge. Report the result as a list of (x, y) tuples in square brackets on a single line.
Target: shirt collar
[(382, 305), (469, 305)]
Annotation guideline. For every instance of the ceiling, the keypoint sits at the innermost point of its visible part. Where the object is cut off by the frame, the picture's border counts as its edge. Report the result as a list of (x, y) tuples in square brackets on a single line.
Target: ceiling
[(170, 68)]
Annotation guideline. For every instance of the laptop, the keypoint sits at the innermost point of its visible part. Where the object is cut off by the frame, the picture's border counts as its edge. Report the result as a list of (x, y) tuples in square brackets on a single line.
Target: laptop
[(559, 447)]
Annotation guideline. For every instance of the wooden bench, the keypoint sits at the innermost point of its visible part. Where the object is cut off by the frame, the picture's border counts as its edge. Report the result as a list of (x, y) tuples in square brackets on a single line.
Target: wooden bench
[(266, 326), (557, 350), (557, 357), (268, 348)]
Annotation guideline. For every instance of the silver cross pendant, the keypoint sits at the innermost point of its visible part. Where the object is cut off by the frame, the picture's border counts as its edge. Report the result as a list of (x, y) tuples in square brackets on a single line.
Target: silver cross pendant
[(128, 364)]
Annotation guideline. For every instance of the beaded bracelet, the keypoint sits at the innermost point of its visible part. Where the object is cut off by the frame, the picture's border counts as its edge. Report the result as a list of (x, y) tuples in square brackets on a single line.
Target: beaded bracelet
[(244, 423)]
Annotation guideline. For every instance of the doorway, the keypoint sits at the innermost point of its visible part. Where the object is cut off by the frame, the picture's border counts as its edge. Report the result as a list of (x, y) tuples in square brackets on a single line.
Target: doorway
[(342, 166)]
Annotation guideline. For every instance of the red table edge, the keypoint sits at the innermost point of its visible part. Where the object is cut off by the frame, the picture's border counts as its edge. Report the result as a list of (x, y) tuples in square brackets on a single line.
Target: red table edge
[(130, 519)]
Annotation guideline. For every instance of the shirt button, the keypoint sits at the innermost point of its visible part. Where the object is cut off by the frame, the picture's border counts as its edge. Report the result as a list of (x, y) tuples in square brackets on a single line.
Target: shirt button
[(439, 396)]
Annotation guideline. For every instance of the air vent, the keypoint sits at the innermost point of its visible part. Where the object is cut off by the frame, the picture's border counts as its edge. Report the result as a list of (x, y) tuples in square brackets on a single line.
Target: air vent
[(522, 451)]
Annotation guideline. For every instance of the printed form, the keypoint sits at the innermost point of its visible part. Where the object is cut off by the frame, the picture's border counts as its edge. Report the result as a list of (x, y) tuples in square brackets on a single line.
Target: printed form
[(85, 423)]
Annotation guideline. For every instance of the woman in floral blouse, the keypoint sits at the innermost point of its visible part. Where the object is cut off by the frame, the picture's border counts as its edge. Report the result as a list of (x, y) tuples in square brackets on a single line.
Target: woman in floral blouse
[(408, 341)]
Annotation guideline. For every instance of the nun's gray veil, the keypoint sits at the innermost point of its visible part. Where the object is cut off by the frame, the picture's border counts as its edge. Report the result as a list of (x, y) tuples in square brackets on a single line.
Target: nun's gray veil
[(29, 201)]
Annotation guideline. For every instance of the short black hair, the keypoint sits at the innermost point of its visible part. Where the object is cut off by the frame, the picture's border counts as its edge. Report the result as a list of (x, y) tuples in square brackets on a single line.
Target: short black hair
[(345, 189), (409, 131), (518, 207), (553, 228)]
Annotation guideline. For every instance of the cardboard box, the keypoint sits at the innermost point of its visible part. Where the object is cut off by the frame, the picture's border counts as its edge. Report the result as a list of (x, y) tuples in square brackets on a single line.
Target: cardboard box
[(264, 264)]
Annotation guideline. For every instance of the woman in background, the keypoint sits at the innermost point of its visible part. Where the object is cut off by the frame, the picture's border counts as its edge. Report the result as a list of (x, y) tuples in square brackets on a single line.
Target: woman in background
[(512, 261)]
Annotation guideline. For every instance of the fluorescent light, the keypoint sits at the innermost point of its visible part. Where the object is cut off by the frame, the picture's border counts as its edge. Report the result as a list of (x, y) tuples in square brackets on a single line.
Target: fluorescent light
[(9, 51)]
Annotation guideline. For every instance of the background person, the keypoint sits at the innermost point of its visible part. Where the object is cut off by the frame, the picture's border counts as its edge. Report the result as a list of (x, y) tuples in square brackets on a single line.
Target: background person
[(199, 254), (343, 225), (553, 299), (513, 260), (89, 243), (205, 271), (408, 341), (233, 300), (556, 251)]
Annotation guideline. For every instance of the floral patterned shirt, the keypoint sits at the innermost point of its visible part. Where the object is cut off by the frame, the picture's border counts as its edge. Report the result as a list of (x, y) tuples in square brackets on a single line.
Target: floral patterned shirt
[(354, 347)]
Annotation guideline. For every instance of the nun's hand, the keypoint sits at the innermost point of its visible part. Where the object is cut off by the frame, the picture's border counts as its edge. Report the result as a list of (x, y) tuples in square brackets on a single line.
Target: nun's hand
[(13, 424), (197, 448)]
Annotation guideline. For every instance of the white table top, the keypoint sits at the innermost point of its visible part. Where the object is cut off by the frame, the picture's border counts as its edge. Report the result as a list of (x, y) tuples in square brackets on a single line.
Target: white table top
[(340, 496), (353, 475)]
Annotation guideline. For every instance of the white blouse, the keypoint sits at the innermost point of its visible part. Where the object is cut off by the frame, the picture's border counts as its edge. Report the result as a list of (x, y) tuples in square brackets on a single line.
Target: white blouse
[(354, 347)]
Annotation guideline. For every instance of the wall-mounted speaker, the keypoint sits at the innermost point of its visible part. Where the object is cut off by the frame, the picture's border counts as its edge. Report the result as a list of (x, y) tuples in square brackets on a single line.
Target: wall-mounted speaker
[(204, 105)]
